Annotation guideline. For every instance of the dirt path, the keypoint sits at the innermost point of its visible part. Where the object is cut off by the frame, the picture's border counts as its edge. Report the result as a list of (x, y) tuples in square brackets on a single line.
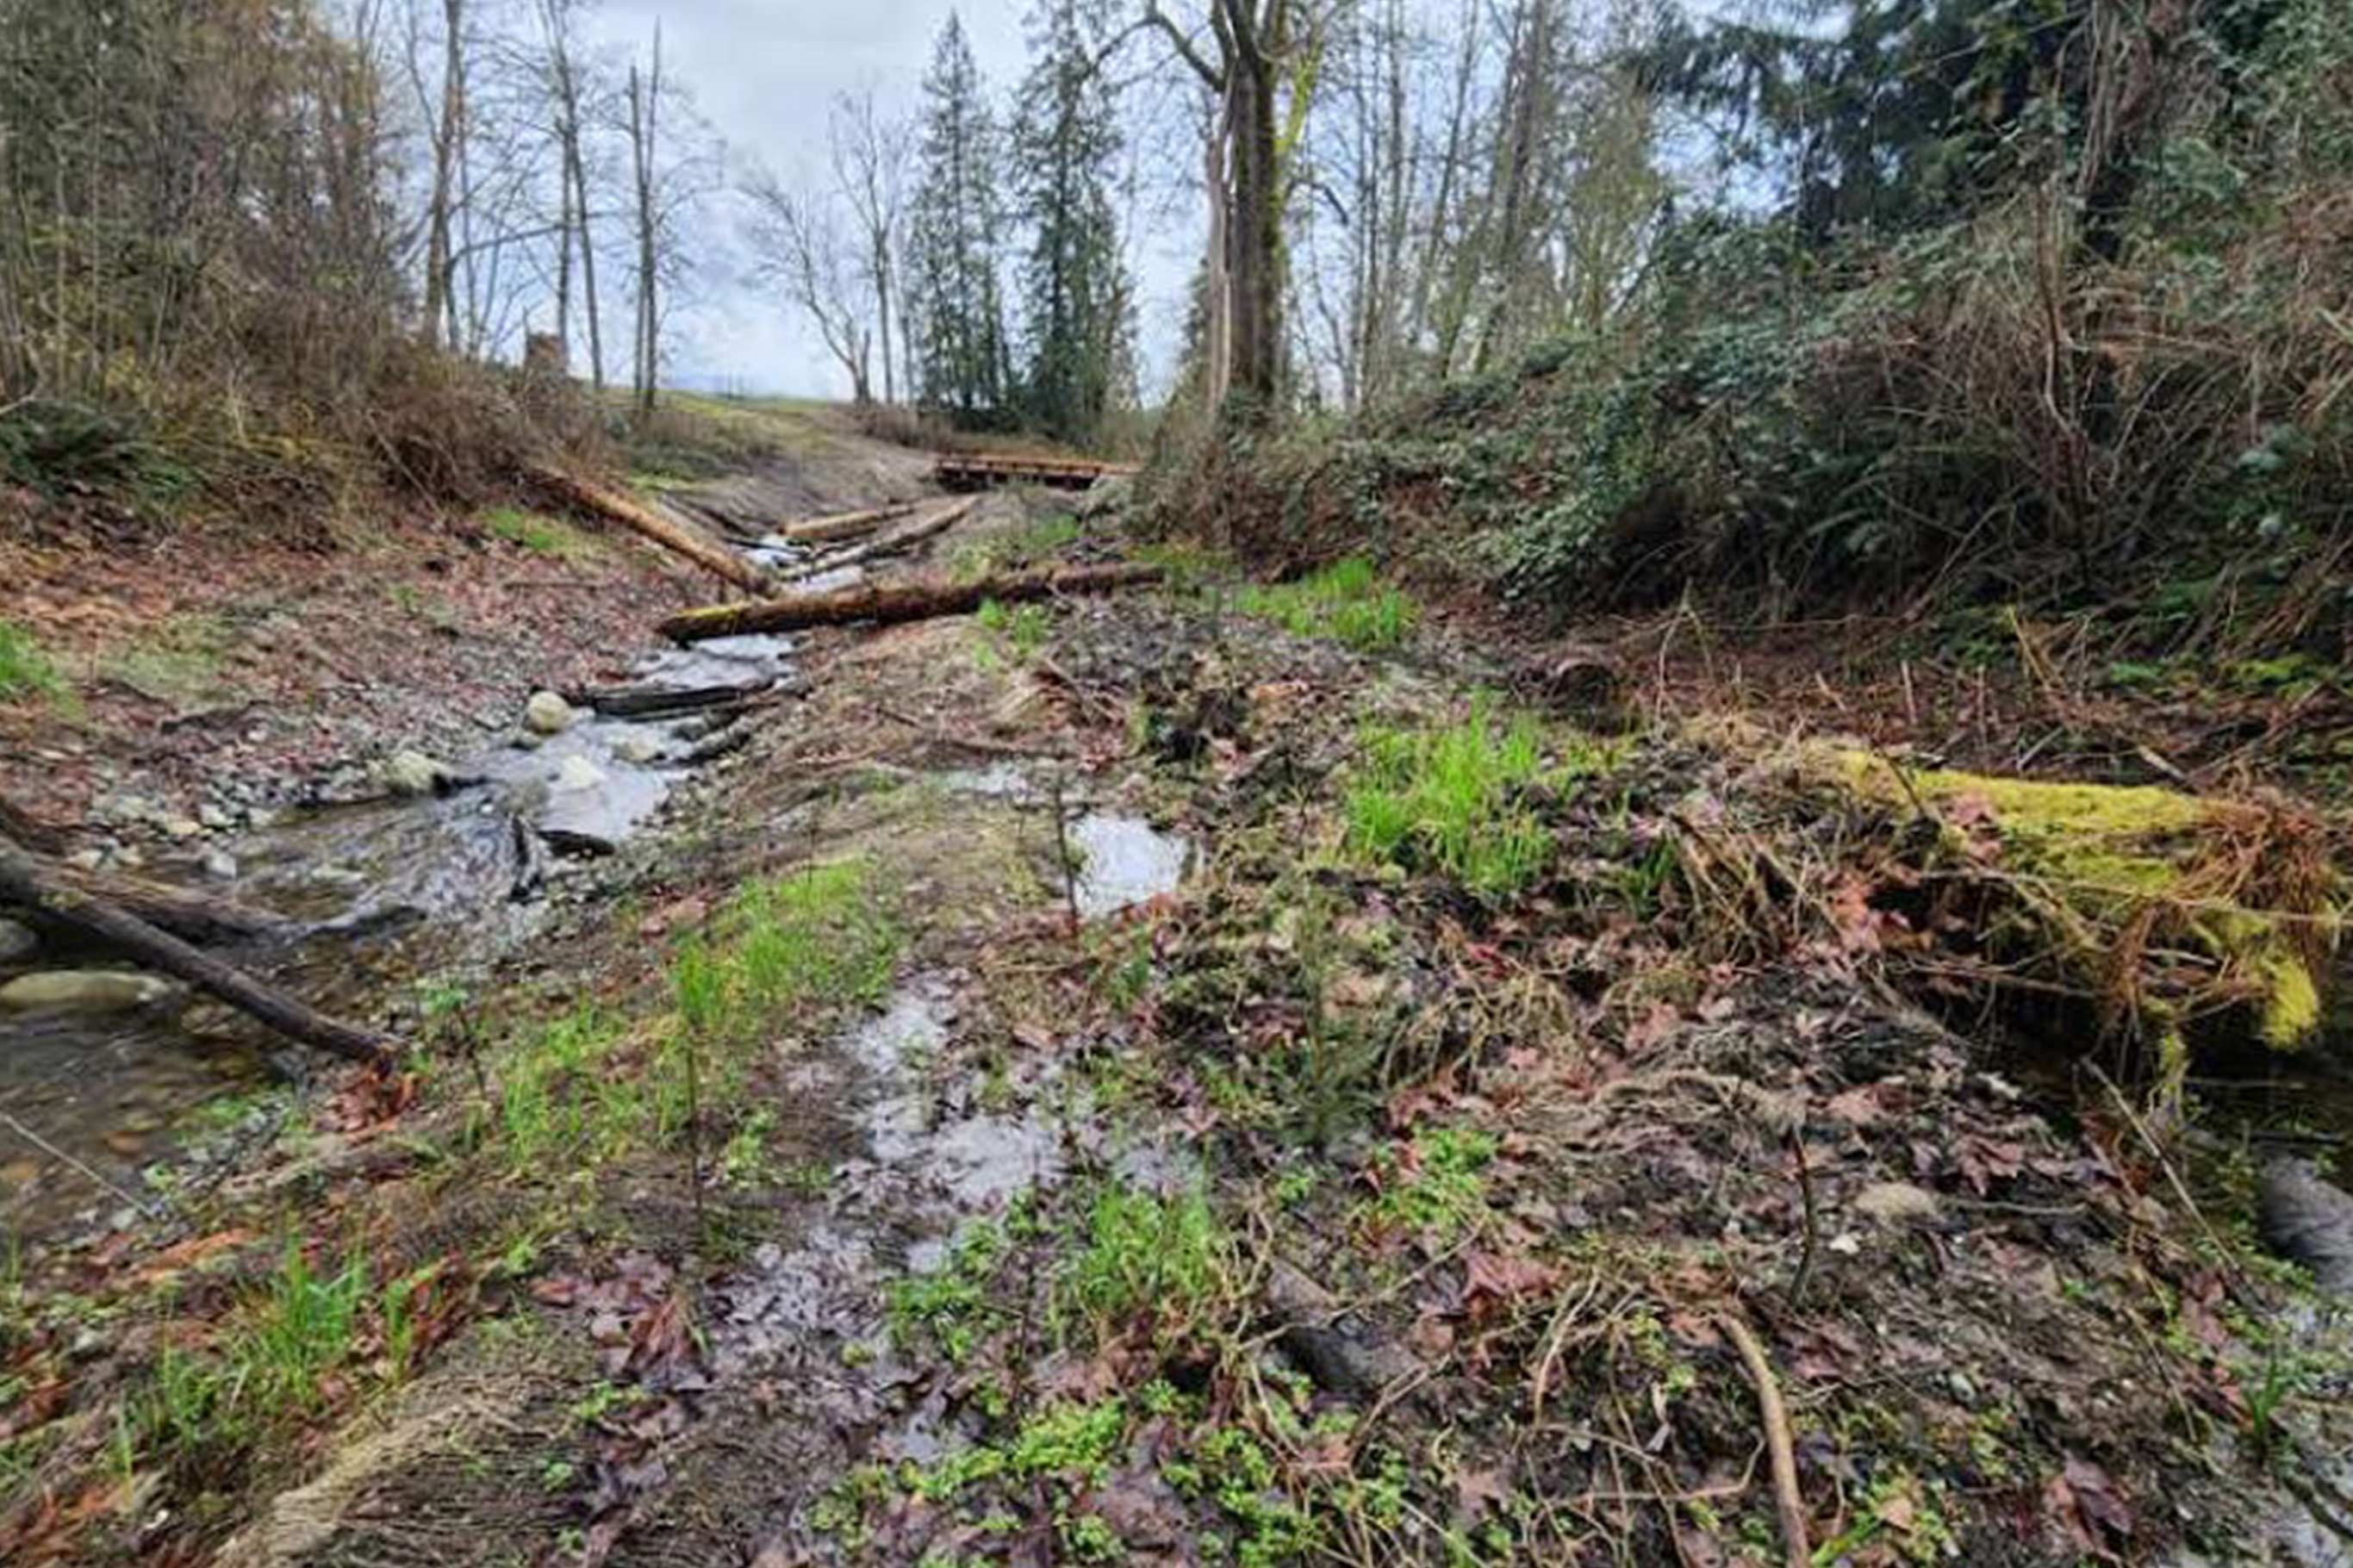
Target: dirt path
[(1369, 1173)]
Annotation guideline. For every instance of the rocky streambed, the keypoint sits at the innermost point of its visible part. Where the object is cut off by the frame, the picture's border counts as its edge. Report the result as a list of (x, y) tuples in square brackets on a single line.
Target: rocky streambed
[(417, 865)]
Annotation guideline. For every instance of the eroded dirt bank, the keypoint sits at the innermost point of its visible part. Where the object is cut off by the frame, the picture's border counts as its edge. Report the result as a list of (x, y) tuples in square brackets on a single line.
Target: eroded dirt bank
[(1143, 1080)]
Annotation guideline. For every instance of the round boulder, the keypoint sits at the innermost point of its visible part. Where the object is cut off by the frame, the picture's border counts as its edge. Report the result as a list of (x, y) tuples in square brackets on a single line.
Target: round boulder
[(547, 714), (83, 990)]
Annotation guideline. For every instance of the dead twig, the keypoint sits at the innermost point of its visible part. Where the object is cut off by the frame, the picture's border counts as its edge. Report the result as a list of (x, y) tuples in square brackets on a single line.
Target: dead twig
[(1795, 1539), (1813, 1221), (2172, 1177), (54, 1153)]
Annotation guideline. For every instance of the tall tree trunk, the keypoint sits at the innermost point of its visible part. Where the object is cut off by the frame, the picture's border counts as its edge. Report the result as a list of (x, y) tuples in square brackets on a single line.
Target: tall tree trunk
[(644, 107), (1254, 231), (1218, 288), (445, 147), (588, 261)]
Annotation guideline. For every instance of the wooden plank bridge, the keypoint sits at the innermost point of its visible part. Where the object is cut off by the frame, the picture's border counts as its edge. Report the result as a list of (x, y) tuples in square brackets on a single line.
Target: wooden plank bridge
[(985, 470)]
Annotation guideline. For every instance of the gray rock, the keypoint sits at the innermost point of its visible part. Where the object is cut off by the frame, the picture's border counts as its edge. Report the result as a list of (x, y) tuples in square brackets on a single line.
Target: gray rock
[(547, 714), (18, 942), (2309, 1218), (83, 990), (1341, 1355), (183, 828), (412, 773), (122, 808), (215, 816), (220, 865)]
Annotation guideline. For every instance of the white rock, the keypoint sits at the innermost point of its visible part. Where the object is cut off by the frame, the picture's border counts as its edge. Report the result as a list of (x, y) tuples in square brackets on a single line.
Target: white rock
[(639, 750), (578, 772), (413, 774), (81, 991), (220, 865), (547, 714)]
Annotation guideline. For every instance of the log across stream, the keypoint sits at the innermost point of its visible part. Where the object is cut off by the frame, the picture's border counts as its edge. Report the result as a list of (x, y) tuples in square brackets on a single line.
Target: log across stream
[(392, 890)]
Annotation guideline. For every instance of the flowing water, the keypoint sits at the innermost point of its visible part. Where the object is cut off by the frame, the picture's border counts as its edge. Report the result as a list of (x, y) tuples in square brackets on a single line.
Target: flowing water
[(404, 887)]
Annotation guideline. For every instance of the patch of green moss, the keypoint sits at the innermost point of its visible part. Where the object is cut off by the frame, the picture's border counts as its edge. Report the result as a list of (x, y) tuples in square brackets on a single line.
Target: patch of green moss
[(2291, 1000), (2119, 837)]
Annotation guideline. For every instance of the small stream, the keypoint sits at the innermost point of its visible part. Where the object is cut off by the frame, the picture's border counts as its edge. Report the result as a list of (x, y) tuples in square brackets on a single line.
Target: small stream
[(408, 887), (924, 1145)]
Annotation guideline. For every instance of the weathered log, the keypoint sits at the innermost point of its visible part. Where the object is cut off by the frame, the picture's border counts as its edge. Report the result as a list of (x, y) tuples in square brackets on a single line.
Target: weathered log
[(613, 508), (916, 601), (845, 524), (27, 880), (888, 544), (651, 701), (192, 916)]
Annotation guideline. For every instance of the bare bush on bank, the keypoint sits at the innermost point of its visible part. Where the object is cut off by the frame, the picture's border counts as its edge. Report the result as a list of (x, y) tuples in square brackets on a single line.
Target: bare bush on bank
[(262, 259)]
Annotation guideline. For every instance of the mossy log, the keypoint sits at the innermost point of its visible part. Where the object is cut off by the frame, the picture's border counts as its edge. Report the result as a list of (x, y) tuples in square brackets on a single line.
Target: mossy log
[(192, 916), (916, 601), (2106, 889)]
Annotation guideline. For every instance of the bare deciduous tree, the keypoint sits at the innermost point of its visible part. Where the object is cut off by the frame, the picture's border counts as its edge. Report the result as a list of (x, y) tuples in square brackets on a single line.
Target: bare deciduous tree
[(869, 153), (798, 246)]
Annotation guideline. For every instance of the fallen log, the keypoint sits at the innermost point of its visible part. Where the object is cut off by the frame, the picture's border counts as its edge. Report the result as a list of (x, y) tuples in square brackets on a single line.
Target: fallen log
[(27, 880), (530, 860), (888, 544), (613, 508), (845, 524), (652, 701), (917, 601), (192, 916)]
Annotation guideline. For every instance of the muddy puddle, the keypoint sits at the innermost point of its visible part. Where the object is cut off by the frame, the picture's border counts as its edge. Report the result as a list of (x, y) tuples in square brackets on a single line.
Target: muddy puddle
[(1116, 861), (925, 1147), (1123, 861), (402, 888)]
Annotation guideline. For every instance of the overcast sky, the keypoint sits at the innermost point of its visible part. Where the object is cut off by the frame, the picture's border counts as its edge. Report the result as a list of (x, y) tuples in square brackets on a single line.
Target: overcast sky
[(763, 72)]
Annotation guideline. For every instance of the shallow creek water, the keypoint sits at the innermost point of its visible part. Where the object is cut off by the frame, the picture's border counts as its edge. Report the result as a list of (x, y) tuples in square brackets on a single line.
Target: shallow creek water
[(403, 888)]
